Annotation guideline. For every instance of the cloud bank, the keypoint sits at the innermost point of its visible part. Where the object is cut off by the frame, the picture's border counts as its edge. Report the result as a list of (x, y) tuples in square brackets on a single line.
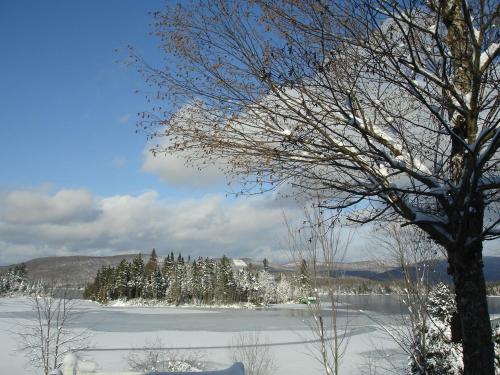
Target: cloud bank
[(37, 223), (70, 222)]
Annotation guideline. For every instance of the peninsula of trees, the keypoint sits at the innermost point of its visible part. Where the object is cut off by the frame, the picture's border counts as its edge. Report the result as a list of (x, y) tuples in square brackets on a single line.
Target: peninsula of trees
[(200, 281)]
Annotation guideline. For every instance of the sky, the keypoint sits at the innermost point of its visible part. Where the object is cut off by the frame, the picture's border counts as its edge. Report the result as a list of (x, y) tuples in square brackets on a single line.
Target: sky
[(76, 177)]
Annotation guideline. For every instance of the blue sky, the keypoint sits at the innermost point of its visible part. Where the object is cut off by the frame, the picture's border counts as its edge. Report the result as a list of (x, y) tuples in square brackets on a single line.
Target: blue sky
[(68, 107), (76, 178)]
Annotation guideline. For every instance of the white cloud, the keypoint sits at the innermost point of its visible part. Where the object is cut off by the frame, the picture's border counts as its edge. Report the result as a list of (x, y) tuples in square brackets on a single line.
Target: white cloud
[(39, 223), (25, 207), (172, 169), (35, 224)]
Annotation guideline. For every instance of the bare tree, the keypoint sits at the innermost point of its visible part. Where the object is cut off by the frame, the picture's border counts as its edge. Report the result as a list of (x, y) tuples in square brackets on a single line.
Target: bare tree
[(383, 108), (319, 245), (47, 338), (155, 357), (415, 255), (253, 350)]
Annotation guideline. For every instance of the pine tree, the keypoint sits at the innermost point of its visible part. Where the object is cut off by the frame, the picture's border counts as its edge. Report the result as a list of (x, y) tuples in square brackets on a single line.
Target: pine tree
[(202, 281), (160, 284), (137, 276), (195, 282), (441, 303), (439, 356), (242, 284), (284, 290), (181, 277), (122, 279), (496, 340), (303, 273), (152, 263), (168, 266), (265, 264), (267, 287), (304, 281), (20, 271), (14, 280), (208, 280), (224, 280), (176, 274)]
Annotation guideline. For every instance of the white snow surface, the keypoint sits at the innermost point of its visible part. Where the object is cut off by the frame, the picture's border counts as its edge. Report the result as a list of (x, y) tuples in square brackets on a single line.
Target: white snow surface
[(488, 54), (239, 263), (293, 357)]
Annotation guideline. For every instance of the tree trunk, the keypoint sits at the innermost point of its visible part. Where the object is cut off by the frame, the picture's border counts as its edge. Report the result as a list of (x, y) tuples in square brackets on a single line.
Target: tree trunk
[(472, 308)]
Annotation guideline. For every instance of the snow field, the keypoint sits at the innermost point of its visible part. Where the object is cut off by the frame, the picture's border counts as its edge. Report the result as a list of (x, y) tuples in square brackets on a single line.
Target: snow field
[(292, 356)]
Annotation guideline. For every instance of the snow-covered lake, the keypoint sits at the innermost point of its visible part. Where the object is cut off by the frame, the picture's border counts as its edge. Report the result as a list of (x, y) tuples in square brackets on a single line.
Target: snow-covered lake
[(115, 330)]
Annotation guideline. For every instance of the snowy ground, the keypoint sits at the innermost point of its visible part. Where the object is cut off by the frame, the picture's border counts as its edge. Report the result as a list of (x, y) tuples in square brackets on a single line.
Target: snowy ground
[(115, 330)]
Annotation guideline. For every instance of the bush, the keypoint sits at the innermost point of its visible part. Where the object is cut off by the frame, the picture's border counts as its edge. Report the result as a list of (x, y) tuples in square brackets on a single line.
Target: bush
[(439, 355), (153, 358)]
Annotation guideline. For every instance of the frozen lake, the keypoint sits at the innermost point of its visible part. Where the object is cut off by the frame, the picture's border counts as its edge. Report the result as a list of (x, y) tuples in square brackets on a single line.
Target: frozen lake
[(116, 330)]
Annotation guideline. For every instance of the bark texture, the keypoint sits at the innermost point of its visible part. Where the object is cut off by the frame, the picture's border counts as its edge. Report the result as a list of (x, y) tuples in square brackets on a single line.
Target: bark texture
[(466, 266), (465, 258), (472, 309)]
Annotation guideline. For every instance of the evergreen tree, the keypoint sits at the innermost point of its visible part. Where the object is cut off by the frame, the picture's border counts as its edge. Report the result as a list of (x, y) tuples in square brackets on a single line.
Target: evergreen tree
[(441, 303), (207, 280), (176, 278), (267, 287), (149, 287), (253, 289), (195, 282), (440, 355), (168, 266), (242, 280), (137, 276), (303, 274), (202, 281), (284, 290), (225, 288), (20, 271), (160, 284), (265, 263), (14, 280), (181, 277), (151, 264), (496, 340), (122, 279)]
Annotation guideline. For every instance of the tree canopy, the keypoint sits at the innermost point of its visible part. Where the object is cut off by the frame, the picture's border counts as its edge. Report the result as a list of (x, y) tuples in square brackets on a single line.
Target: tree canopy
[(387, 110)]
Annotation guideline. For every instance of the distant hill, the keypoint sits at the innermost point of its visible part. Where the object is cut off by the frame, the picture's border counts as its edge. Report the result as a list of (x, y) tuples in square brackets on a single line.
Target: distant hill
[(376, 270), (373, 265), (491, 271), (77, 271)]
